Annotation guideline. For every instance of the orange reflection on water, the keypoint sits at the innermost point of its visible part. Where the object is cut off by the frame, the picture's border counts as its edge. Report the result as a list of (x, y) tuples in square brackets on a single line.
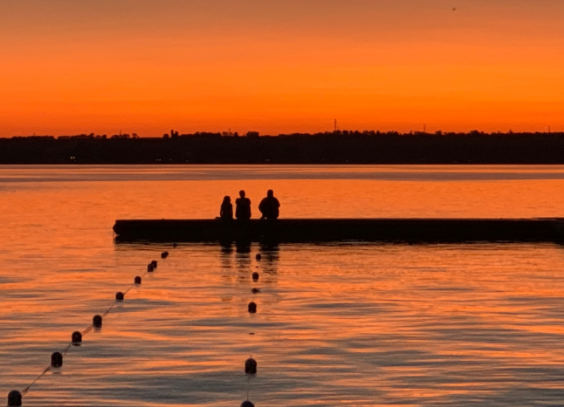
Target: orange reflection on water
[(343, 324)]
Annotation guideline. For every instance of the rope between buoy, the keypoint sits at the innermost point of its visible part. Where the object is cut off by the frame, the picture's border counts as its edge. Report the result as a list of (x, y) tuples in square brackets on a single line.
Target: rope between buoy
[(248, 386), (36, 379)]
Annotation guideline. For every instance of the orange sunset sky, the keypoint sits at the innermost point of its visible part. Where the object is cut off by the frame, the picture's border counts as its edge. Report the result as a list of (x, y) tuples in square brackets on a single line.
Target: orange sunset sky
[(275, 66)]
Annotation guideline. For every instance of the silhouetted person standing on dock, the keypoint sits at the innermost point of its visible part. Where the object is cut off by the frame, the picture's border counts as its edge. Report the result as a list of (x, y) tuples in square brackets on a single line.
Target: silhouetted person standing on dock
[(243, 211), (226, 211), (269, 206)]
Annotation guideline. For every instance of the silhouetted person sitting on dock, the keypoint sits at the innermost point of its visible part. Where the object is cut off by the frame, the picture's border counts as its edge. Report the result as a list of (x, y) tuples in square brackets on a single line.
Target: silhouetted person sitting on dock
[(226, 211), (243, 211), (269, 206)]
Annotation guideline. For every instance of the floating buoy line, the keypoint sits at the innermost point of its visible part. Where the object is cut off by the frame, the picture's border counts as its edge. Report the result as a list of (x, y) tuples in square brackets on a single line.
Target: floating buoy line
[(15, 397), (251, 364)]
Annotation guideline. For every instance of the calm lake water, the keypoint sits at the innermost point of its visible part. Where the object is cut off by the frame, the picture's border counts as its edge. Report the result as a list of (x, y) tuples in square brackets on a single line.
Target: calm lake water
[(337, 324)]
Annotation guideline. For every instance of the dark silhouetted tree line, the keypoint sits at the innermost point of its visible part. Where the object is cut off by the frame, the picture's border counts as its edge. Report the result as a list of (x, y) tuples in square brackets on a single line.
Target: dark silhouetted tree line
[(340, 147)]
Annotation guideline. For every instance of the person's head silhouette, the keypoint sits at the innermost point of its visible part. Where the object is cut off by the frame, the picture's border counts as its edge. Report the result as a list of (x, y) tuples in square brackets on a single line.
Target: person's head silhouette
[(242, 194), (270, 193), (227, 199)]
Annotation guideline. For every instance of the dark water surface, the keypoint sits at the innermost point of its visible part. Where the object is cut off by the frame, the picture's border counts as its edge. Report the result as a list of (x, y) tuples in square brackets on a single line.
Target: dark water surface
[(337, 324)]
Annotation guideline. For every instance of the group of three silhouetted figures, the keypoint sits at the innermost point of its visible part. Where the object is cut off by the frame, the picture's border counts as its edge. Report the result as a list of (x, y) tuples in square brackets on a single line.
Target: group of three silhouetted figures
[(269, 207)]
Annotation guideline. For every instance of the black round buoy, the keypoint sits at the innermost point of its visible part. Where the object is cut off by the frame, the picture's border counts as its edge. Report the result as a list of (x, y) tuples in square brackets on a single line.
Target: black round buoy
[(97, 321), (155, 264), (250, 366), (258, 256), (119, 296), (164, 255), (150, 268), (137, 280), (14, 398), (255, 290), (252, 307), (255, 276), (57, 359), (76, 337), (247, 404)]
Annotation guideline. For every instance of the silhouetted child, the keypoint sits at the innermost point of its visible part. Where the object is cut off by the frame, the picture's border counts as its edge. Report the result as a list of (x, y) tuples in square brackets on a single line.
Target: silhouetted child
[(243, 211), (269, 206), (226, 211)]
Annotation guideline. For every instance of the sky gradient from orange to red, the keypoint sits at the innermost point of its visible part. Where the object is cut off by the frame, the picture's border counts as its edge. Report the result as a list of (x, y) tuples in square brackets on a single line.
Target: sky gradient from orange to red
[(276, 66)]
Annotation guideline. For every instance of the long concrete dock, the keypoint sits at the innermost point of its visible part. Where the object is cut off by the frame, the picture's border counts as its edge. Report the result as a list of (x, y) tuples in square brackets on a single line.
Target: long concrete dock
[(342, 230)]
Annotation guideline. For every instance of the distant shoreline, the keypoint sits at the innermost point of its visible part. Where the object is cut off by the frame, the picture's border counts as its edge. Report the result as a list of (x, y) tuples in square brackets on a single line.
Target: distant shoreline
[(341, 147)]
